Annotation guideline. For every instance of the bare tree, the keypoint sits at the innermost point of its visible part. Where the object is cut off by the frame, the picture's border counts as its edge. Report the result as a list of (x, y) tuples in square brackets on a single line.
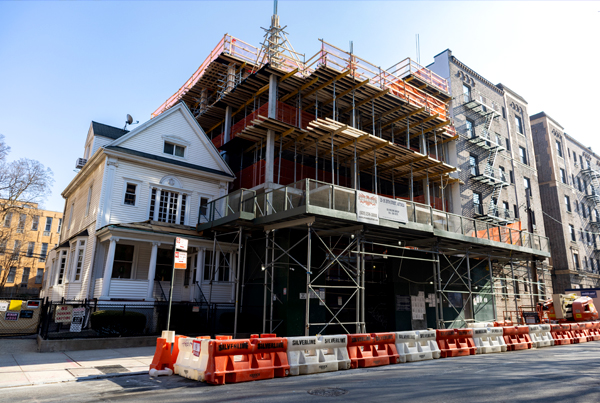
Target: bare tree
[(23, 184)]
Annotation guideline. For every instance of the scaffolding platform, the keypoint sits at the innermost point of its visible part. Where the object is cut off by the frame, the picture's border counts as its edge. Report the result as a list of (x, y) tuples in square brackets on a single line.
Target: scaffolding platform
[(331, 208)]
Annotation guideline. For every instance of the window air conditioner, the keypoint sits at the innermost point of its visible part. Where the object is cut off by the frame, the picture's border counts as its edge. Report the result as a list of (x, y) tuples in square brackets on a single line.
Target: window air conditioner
[(80, 163)]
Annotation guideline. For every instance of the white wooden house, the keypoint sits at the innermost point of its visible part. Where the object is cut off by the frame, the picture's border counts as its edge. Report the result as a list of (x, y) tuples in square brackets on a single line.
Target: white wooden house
[(136, 192)]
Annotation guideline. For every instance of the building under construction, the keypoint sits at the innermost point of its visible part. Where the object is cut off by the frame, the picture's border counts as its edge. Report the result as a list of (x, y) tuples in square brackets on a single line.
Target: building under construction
[(341, 208)]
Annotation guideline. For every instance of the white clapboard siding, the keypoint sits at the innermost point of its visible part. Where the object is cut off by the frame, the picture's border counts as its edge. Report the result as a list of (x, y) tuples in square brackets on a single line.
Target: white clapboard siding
[(151, 141), (128, 289), (144, 250), (145, 176), (80, 196), (72, 291), (98, 142), (97, 288)]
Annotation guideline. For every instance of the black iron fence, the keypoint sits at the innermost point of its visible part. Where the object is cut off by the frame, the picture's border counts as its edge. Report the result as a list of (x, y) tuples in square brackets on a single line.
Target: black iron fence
[(93, 319)]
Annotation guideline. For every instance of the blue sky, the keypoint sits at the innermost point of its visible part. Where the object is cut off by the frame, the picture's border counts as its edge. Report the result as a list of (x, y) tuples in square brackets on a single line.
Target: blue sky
[(63, 64)]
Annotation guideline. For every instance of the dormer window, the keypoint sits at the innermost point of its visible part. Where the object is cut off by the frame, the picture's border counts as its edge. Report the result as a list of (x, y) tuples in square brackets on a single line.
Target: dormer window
[(174, 149)]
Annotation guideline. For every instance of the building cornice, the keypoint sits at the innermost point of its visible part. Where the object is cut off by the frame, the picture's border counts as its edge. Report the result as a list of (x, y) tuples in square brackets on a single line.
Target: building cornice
[(477, 75)]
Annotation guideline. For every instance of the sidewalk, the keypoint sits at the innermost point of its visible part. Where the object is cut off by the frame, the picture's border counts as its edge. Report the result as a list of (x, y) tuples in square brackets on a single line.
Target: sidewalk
[(22, 368)]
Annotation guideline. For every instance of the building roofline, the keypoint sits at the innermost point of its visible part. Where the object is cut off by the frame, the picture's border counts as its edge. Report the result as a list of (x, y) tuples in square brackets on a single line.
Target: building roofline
[(511, 92), (474, 73), (544, 114), (580, 144), (169, 161)]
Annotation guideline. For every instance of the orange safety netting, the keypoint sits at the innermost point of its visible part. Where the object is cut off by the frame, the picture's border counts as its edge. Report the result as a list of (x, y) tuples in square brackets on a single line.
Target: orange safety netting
[(502, 234), (254, 175), (285, 113)]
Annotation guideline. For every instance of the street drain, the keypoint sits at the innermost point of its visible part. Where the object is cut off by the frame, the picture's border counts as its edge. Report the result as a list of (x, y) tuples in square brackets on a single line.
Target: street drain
[(112, 369), (327, 392)]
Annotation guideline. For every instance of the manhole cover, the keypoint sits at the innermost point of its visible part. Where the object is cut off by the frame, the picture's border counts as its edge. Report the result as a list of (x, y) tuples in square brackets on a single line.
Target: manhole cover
[(327, 392), (112, 369)]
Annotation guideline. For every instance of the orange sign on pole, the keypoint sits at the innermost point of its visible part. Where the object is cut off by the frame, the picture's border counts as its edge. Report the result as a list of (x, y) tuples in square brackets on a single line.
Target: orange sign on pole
[(180, 260)]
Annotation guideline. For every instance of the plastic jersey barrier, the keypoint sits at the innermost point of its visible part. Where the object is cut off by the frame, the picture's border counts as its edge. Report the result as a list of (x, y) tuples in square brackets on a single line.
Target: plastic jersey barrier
[(243, 360), (594, 330), (578, 332), (489, 340), (192, 358), (540, 336), (372, 350), (456, 342), (561, 334), (314, 354), (417, 345), (517, 338)]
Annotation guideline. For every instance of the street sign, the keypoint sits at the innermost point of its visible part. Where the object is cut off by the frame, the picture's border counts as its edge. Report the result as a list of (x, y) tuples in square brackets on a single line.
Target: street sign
[(180, 260), (181, 243)]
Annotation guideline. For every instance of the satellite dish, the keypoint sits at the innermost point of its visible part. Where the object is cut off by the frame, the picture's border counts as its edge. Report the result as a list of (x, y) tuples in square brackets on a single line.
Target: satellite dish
[(129, 121)]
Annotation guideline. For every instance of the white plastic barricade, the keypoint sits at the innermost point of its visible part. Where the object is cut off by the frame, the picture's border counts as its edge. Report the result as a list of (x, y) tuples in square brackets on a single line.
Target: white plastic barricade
[(314, 354), (479, 325), (417, 345), (192, 359), (540, 336), (489, 340)]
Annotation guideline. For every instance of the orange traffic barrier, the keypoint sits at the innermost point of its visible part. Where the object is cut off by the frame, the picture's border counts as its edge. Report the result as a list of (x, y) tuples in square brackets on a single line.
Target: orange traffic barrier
[(372, 350), (561, 334), (162, 356), (517, 337), (456, 342), (578, 332), (243, 360), (594, 330)]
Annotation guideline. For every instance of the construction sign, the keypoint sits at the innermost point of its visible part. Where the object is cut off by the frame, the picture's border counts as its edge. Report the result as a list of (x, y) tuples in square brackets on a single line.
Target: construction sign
[(367, 208), (180, 260)]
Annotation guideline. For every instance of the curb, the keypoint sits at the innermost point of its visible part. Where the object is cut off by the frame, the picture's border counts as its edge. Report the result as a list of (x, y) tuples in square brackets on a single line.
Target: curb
[(82, 379)]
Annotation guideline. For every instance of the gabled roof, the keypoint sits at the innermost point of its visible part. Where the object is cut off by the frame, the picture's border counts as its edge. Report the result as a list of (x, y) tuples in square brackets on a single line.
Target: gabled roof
[(189, 117), (168, 160), (100, 129)]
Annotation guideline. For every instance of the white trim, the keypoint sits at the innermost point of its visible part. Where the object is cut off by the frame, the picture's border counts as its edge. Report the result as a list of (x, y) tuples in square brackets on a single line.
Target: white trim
[(176, 140), (138, 185), (180, 191), (89, 199), (77, 249), (134, 261), (170, 178), (187, 115)]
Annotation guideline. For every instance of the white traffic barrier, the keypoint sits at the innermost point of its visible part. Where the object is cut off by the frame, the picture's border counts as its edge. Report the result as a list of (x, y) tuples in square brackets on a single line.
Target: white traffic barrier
[(156, 372), (489, 340), (315, 354), (417, 345), (541, 336), (479, 325), (192, 359)]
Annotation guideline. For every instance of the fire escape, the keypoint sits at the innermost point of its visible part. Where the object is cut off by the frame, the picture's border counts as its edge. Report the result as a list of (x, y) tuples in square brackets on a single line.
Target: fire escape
[(593, 176), (478, 132)]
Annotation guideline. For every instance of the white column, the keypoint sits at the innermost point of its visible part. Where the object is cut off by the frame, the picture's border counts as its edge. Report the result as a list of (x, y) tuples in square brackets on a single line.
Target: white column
[(108, 266), (152, 271)]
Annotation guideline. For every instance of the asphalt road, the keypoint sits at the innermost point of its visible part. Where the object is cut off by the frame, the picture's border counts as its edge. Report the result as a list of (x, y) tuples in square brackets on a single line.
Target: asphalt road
[(553, 374)]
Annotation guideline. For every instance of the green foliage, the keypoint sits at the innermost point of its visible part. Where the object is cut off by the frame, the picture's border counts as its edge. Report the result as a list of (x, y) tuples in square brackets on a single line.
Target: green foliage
[(117, 323)]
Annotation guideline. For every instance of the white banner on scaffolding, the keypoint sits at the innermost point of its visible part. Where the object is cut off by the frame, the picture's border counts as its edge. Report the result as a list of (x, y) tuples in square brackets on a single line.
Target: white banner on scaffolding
[(367, 210), (393, 210)]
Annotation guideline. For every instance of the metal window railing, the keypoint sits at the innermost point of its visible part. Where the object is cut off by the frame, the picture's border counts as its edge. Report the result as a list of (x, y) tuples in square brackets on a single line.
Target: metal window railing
[(321, 194)]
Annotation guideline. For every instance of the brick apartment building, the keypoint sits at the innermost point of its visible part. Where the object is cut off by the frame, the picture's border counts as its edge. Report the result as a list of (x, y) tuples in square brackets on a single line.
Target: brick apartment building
[(568, 181), (497, 170), (28, 234)]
